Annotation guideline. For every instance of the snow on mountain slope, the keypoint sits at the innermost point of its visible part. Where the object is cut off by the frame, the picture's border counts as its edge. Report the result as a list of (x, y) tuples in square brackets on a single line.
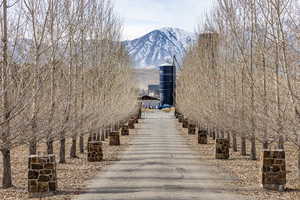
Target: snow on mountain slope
[(159, 46)]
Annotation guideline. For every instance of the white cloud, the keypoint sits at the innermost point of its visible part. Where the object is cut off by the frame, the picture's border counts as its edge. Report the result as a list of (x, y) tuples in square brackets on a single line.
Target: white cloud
[(142, 16)]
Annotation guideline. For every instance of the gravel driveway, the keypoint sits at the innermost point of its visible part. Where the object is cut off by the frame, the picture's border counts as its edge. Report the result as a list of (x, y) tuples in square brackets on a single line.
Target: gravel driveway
[(159, 165)]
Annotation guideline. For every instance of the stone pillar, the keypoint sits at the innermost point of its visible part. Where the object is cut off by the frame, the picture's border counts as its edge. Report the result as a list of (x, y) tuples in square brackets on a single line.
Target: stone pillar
[(191, 129), (185, 123), (41, 175), (180, 118), (202, 136), (114, 138), (125, 130), (273, 169), (95, 153), (136, 119), (177, 114), (131, 124), (222, 148)]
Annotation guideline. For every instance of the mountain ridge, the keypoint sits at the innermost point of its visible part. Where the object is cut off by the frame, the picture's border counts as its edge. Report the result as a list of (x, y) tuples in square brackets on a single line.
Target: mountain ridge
[(159, 46)]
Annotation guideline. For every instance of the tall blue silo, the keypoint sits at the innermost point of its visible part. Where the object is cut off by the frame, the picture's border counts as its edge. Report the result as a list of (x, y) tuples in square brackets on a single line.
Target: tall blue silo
[(167, 84)]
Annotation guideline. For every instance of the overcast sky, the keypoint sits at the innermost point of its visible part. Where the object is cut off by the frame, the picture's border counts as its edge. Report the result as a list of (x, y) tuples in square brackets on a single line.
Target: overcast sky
[(142, 16)]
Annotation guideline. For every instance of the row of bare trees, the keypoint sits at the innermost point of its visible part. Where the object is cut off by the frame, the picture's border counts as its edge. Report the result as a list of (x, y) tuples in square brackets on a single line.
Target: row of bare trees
[(242, 78), (64, 73)]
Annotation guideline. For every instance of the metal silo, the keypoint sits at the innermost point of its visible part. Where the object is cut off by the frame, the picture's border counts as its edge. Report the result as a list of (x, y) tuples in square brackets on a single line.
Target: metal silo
[(167, 84)]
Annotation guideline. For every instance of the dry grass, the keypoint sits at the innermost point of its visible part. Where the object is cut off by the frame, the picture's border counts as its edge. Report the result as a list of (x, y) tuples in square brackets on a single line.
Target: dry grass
[(71, 176), (248, 170)]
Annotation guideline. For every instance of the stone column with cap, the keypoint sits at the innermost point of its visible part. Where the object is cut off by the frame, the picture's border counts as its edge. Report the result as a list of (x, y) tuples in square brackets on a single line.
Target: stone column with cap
[(124, 130), (136, 119), (192, 129), (185, 123), (202, 136), (131, 124), (273, 169), (114, 138), (222, 148), (180, 118), (42, 178), (95, 153)]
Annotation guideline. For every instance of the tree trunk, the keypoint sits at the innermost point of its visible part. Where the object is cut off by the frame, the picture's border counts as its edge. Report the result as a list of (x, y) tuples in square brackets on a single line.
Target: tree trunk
[(6, 177), (243, 146), (209, 132), (73, 147), (229, 139), (106, 133), (81, 143), (286, 138), (234, 143), (281, 142), (252, 76), (5, 103), (98, 137), (265, 144), (253, 148), (102, 136), (62, 150), (298, 163), (50, 146), (82, 40), (32, 146)]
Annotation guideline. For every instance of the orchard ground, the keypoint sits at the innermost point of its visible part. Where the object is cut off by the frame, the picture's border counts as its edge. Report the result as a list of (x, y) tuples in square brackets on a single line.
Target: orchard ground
[(163, 144), (71, 176)]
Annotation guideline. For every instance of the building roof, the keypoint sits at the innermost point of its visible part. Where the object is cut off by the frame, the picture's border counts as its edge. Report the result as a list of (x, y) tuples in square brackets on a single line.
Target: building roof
[(146, 97), (166, 65)]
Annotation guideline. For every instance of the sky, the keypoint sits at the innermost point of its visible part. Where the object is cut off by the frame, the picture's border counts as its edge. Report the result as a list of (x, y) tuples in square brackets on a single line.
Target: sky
[(142, 16)]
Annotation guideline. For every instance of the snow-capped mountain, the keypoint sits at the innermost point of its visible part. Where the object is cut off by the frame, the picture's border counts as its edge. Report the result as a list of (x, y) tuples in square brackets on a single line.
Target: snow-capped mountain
[(159, 46)]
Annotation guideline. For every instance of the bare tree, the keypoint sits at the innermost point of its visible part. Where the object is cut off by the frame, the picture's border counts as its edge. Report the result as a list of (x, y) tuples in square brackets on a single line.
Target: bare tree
[(252, 90)]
